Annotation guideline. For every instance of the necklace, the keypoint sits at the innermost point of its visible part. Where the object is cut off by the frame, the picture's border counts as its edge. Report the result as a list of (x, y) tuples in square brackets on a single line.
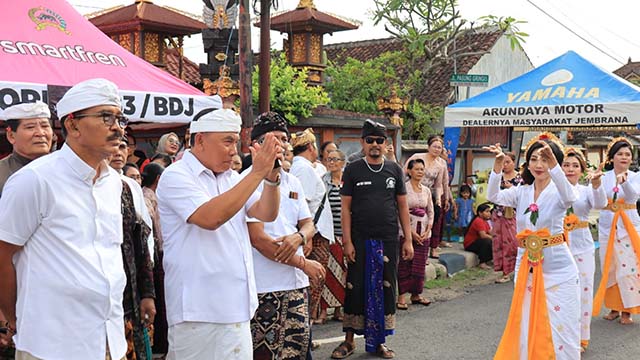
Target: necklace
[(374, 171)]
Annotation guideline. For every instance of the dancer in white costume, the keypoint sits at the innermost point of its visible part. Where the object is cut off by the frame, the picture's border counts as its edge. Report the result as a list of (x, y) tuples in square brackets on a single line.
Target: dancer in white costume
[(546, 298), (576, 227), (619, 244)]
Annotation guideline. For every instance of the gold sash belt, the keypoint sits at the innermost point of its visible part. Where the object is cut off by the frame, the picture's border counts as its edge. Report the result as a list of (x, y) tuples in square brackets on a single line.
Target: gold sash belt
[(578, 225), (616, 206), (534, 242)]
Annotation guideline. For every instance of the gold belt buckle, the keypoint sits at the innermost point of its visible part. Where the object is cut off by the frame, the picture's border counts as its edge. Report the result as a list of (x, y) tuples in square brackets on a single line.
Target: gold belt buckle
[(534, 245), (615, 207)]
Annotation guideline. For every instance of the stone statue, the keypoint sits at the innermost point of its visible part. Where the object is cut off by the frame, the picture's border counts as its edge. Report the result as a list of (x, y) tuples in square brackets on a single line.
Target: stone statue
[(220, 14)]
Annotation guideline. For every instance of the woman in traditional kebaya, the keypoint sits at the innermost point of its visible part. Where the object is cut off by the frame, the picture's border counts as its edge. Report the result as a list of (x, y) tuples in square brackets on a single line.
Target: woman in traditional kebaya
[(578, 235), (546, 298), (503, 218), (618, 234), (411, 273), (436, 178)]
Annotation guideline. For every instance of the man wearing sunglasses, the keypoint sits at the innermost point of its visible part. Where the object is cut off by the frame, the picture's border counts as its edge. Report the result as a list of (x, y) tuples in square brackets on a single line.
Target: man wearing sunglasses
[(65, 228), (389, 151), (373, 199)]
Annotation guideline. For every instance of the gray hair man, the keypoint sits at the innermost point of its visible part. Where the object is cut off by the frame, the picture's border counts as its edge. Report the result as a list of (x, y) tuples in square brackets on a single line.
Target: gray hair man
[(66, 232), (30, 133), (203, 205)]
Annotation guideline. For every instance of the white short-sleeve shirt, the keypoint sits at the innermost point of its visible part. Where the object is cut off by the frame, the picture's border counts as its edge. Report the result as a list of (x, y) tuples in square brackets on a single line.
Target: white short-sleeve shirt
[(70, 273), (209, 274), (270, 275)]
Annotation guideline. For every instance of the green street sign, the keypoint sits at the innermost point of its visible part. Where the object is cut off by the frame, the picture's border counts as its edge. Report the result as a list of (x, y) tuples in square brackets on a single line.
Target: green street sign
[(469, 80)]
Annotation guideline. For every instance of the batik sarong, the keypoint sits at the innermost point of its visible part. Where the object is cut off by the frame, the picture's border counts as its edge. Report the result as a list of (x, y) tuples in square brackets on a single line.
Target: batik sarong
[(333, 290), (280, 327), (320, 253)]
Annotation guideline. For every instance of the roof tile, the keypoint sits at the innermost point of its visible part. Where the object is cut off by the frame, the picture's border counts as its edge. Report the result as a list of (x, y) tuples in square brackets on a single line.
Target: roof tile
[(438, 91)]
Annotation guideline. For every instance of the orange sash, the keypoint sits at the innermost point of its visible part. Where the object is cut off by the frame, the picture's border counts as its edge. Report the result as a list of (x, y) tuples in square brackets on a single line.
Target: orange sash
[(540, 342), (635, 242)]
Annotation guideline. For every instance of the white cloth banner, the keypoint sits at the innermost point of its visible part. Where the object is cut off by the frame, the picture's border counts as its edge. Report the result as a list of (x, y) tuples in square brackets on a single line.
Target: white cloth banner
[(137, 105)]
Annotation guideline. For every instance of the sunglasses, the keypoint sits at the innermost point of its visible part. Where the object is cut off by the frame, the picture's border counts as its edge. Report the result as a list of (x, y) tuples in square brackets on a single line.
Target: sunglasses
[(377, 140), (333, 159)]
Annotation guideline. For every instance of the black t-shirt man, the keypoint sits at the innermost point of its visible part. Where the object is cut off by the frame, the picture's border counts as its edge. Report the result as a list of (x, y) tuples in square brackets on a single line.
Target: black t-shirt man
[(374, 206)]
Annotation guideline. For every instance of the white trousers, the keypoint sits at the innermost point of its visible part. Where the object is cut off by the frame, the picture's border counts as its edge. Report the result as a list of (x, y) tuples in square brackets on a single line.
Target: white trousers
[(200, 340)]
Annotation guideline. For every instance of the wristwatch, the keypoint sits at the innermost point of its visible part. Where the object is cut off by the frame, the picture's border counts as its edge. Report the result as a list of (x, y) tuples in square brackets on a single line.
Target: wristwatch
[(272, 183), (303, 236)]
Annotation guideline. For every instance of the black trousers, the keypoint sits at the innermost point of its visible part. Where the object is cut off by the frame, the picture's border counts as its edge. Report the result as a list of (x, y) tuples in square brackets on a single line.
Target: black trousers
[(482, 248)]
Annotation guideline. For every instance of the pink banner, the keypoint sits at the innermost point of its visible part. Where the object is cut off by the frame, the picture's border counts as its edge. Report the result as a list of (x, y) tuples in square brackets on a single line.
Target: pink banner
[(50, 43)]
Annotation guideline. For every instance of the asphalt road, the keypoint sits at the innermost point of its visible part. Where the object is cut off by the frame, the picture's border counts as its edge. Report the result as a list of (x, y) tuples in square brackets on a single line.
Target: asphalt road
[(470, 327)]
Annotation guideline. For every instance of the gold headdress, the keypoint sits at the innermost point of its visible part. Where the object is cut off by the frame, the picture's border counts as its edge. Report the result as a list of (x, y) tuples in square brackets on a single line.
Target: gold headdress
[(613, 142), (578, 154), (545, 135), (303, 138)]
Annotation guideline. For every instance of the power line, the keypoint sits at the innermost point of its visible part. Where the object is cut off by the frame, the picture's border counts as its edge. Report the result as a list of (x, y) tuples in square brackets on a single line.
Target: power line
[(586, 32), (574, 33), (88, 6)]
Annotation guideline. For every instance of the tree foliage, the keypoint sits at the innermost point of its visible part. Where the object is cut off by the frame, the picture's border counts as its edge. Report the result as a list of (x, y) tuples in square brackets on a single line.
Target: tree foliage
[(356, 86), (428, 29), (289, 92)]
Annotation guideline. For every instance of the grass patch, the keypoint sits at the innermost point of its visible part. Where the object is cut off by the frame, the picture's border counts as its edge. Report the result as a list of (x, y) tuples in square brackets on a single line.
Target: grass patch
[(461, 279)]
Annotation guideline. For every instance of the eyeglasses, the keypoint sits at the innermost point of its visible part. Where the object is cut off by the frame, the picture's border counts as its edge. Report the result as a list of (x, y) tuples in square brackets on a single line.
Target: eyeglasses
[(108, 118), (377, 140), (333, 159)]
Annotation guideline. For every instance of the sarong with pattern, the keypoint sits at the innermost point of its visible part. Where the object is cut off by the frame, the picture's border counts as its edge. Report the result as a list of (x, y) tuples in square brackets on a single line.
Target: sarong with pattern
[(370, 309), (335, 281), (320, 253), (280, 328)]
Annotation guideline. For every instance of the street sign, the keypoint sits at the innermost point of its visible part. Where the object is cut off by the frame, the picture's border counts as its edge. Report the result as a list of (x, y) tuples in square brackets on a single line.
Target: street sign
[(469, 80)]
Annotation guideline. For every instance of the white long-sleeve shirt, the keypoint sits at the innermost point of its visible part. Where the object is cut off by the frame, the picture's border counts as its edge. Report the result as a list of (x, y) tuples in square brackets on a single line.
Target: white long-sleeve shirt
[(581, 240), (553, 202), (314, 191)]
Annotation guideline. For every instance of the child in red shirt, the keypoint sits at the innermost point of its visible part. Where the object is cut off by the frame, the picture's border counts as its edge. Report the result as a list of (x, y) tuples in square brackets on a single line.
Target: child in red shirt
[(478, 237)]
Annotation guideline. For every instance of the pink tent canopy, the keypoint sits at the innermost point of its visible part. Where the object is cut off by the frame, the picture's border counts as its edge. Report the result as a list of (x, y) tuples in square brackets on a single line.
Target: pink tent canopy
[(45, 45)]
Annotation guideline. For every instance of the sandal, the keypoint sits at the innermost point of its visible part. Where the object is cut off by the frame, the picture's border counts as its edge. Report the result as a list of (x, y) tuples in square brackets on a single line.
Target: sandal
[(400, 306), (504, 279), (626, 320), (320, 321), (384, 352), (343, 351), (421, 301), (612, 315), (338, 318)]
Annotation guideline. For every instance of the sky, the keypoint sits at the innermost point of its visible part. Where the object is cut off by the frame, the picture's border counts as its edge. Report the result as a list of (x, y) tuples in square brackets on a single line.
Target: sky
[(601, 31)]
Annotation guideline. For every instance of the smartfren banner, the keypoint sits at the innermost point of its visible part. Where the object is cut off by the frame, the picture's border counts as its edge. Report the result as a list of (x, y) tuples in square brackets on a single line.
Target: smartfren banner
[(47, 47)]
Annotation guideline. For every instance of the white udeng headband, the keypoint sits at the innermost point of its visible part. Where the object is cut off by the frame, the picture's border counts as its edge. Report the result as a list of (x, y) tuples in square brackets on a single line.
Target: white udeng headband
[(221, 120)]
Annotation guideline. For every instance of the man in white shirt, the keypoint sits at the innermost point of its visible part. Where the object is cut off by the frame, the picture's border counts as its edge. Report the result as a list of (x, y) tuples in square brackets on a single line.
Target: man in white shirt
[(203, 206), (62, 235), (282, 272), (305, 154), (30, 133), (117, 161)]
